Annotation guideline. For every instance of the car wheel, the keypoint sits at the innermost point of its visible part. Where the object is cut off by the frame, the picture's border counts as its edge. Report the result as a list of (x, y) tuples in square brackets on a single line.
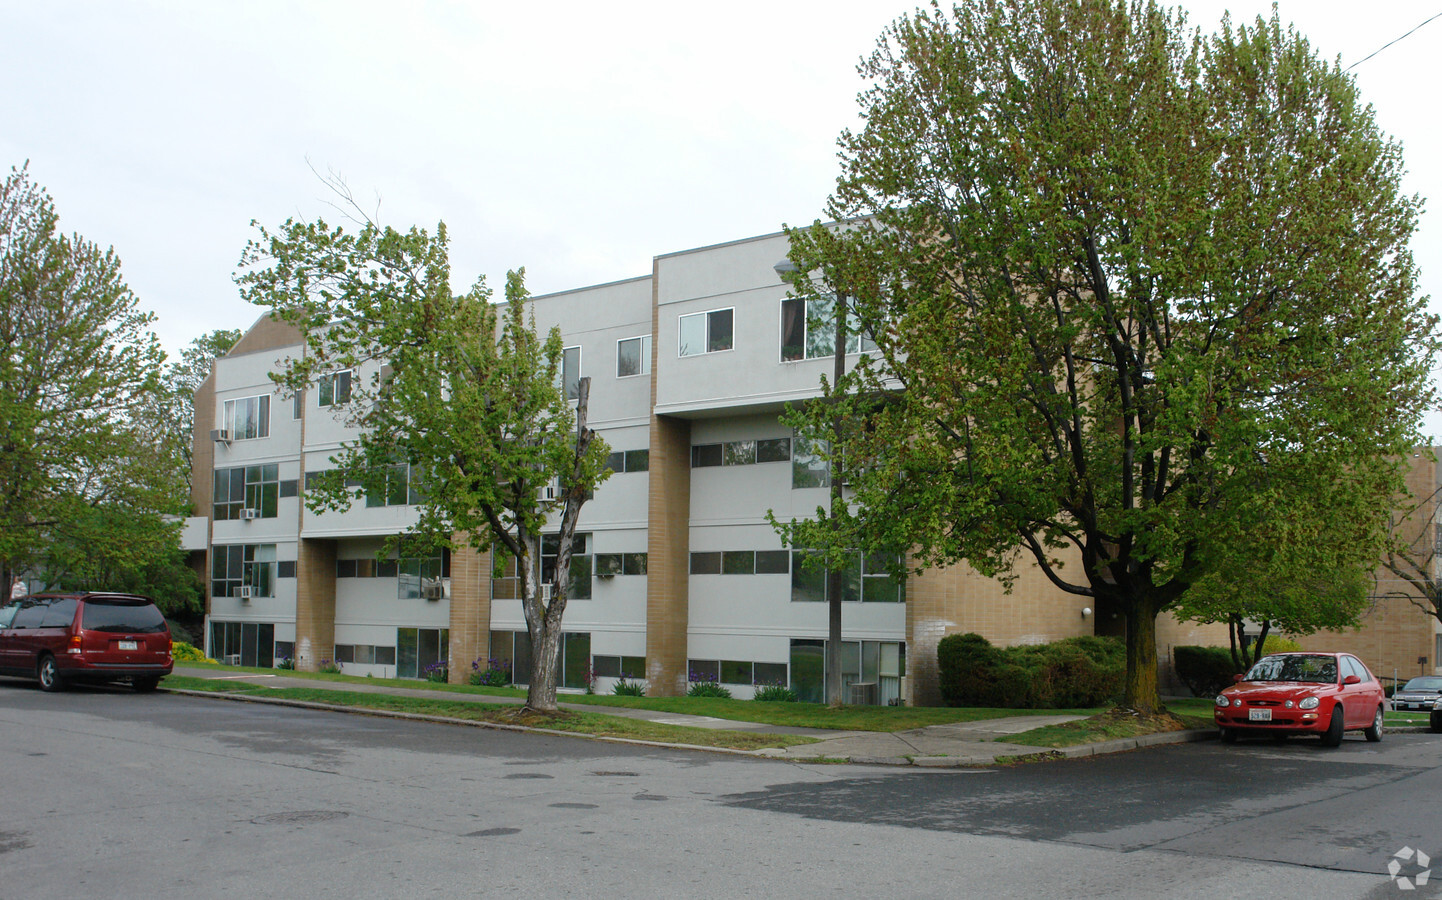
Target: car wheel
[(1333, 736), (144, 685), (49, 674), (1374, 734), (1434, 723), (1228, 735)]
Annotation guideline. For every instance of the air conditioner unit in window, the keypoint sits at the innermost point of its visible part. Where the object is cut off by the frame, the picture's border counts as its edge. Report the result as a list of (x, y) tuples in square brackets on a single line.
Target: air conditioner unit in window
[(433, 590), (549, 492), (248, 514), (246, 592), (548, 591), (220, 435)]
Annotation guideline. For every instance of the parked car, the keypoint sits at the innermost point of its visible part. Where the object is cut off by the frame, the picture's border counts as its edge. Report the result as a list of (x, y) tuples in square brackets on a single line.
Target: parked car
[(1419, 693), (1325, 694), (61, 638)]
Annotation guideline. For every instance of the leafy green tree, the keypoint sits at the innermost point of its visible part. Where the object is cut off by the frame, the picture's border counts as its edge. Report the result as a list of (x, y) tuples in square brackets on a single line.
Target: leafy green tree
[(1412, 559), (79, 377), (1137, 294), (470, 398)]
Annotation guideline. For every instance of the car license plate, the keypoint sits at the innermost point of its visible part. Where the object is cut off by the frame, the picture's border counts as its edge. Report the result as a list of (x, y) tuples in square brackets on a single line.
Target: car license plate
[(1259, 715), (127, 645)]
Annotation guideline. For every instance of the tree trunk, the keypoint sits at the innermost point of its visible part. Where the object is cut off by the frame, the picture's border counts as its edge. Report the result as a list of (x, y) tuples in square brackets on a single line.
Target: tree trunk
[(545, 654), (1141, 679), (834, 584)]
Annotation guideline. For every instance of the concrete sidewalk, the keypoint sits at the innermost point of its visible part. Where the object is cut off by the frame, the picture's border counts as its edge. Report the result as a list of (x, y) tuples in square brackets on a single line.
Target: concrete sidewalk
[(954, 745)]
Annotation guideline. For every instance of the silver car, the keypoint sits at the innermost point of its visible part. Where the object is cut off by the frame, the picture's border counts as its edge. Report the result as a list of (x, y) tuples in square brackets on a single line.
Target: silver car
[(1419, 693)]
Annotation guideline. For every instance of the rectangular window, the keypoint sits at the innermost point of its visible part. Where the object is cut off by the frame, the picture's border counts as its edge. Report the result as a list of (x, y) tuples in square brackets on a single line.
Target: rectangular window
[(878, 585), (246, 487), (813, 335), (571, 372), (248, 643), (633, 356), (808, 670), (703, 455), (809, 468), (808, 583), (633, 564), (773, 450), (247, 418), (769, 673), (234, 566), (738, 453), (708, 332), (334, 389), (611, 564), (704, 670), (706, 563), (629, 461), (395, 490), (422, 577), (738, 562), (735, 672), (295, 405), (773, 562)]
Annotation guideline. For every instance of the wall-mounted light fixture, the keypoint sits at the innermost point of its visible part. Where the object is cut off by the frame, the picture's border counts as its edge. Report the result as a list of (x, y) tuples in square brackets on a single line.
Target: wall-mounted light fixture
[(1086, 611)]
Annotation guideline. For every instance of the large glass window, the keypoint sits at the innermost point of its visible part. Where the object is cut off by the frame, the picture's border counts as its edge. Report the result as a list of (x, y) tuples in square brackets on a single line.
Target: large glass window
[(418, 648), (243, 643), (246, 487), (808, 329), (629, 461), (398, 489), (740, 453), (633, 356), (234, 566), (708, 332), (423, 577), (247, 418), (580, 585), (868, 579)]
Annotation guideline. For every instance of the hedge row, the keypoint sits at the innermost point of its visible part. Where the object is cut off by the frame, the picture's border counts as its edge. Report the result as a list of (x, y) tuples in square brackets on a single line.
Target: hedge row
[(1072, 673), (1208, 670)]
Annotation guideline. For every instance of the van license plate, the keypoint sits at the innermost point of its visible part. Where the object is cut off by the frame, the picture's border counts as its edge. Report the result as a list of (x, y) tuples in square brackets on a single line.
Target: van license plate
[(1259, 715), (135, 645)]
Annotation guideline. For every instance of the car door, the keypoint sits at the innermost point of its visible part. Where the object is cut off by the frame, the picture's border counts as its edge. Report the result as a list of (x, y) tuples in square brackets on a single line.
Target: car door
[(25, 633), (1357, 699), (8, 650)]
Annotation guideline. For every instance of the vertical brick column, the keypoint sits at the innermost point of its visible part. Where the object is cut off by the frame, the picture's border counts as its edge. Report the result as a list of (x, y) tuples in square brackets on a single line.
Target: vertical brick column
[(928, 613), (314, 603), (470, 608), (668, 544)]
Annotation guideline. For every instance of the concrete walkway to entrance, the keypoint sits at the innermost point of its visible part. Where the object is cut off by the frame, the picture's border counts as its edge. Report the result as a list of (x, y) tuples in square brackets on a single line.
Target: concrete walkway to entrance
[(958, 744)]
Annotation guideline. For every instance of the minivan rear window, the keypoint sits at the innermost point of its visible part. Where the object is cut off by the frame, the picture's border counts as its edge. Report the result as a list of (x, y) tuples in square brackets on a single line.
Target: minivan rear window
[(123, 618)]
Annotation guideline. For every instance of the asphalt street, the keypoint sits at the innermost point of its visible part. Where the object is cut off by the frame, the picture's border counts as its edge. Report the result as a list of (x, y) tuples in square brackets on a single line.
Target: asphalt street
[(108, 793)]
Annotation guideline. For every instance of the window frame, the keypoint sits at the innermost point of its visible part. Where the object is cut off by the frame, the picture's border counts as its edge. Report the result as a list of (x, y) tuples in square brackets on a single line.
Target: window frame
[(854, 331), (645, 340), (333, 385), (572, 394), (707, 339), (227, 417)]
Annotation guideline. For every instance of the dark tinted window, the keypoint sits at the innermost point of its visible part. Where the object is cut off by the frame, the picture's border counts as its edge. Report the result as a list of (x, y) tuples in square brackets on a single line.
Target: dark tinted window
[(60, 613), (122, 618)]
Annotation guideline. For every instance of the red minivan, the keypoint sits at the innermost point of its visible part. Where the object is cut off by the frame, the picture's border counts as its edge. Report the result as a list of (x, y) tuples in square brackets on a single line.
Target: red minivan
[(59, 638)]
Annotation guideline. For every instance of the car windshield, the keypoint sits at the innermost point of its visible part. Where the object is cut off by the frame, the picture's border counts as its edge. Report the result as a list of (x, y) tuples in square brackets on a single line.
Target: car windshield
[(1295, 668), (1429, 683)]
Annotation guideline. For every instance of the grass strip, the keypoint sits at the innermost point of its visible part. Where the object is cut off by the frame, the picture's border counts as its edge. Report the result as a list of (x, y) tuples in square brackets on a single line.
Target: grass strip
[(503, 714), (1114, 724), (801, 715)]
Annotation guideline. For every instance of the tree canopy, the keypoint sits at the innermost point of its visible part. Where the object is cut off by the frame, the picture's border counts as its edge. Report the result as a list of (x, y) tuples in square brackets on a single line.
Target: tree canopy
[(79, 384), (1142, 300), (464, 393)]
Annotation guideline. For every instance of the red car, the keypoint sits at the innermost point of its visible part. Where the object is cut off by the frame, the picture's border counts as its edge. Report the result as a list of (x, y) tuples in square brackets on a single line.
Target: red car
[(59, 638), (1325, 694)]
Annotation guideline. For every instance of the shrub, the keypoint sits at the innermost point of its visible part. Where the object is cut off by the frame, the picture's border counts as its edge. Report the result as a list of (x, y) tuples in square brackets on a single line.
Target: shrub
[(286, 663), (775, 693), (180, 651), (1075, 672), (624, 688), (1204, 670), (437, 672), (328, 667), (497, 673), (707, 689)]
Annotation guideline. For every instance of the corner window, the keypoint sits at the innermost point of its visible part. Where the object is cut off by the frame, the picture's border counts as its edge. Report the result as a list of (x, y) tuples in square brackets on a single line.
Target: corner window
[(247, 418), (633, 356), (334, 389), (808, 330), (708, 332)]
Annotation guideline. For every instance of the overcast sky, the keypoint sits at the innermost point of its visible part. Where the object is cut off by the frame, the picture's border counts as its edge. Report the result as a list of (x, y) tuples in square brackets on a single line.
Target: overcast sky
[(576, 139)]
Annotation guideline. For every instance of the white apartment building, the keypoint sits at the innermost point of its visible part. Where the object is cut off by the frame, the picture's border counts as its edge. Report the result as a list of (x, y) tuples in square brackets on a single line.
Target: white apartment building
[(677, 575)]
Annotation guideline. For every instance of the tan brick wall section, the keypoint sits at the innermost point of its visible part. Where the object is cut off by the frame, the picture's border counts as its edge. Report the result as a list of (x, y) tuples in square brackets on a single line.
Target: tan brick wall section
[(668, 545), (958, 599), (314, 603), (470, 609)]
